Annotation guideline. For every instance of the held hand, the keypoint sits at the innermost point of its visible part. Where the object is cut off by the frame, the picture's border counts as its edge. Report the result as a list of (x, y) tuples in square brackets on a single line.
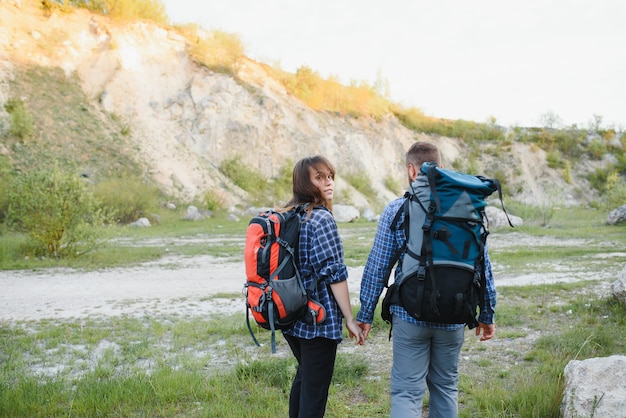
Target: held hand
[(365, 327), (355, 332), (489, 331)]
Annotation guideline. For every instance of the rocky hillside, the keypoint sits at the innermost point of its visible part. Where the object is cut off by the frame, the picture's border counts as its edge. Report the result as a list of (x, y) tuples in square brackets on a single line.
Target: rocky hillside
[(185, 120)]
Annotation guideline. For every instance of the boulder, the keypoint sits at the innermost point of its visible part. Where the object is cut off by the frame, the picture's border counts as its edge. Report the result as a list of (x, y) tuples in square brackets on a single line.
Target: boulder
[(595, 387), (194, 214), (497, 218), (619, 286), (141, 222), (617, 216), (370, 215), (345, 213)]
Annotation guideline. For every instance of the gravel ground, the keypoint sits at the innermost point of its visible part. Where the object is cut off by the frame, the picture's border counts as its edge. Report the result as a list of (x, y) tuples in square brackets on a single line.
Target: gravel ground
[(193, 286)]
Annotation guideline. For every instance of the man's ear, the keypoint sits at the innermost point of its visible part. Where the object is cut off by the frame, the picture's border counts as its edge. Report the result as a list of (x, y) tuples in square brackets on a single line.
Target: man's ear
[(412, 171)]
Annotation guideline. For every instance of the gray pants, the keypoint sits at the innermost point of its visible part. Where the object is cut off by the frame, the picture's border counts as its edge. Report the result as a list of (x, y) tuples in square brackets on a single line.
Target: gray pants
[(424, 357)]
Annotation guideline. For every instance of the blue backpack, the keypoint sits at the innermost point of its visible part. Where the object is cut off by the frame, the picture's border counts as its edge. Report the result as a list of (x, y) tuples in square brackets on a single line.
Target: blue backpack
[(441, 273)]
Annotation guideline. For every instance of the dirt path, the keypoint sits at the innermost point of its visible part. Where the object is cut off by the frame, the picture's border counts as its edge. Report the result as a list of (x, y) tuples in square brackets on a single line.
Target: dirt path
[(186, 286), (200, 285), (193, 288)]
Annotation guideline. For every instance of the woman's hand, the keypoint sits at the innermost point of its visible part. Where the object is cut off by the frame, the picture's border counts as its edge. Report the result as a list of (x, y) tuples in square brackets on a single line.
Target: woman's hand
[(355, 331)]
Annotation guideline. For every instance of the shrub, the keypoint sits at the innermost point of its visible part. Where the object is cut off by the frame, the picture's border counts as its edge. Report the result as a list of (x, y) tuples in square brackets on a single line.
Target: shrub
[(153, 10), (213, 200), (567, 173), (597, 148), (127, 198), (21, 123), (219, 51), (57, 211), (5, 180), (598, 179), (500, 175), (554, 159), (282, 185), (328, 94), (361, 182), (392, 184), (615, 191), (240, 174)]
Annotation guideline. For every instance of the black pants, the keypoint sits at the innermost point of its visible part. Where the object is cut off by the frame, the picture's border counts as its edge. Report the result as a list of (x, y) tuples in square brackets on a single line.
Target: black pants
[(316, 363)]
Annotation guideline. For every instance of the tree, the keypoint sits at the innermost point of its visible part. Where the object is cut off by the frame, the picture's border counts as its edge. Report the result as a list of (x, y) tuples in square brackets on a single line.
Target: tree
[(550, 120)]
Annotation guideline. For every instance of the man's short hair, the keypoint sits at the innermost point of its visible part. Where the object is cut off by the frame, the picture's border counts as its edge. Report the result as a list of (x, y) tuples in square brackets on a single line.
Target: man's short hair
[(422, 152)]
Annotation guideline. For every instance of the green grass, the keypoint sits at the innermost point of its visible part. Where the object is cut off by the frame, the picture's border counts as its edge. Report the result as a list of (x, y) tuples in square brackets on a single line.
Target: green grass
[(520, 383), (592, 238), (175, 365), (184, 366), (155, 367)]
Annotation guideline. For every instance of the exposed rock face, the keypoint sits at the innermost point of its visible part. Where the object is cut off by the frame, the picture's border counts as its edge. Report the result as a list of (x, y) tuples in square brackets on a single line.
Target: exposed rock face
[(595, 387)]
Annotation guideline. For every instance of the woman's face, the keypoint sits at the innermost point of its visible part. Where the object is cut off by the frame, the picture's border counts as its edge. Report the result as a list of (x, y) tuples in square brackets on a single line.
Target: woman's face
[(324, 180)]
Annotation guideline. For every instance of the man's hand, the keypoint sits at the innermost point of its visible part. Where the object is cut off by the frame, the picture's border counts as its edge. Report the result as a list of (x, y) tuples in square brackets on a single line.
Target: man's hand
[(489, 331), (365, 328), (355, 331)]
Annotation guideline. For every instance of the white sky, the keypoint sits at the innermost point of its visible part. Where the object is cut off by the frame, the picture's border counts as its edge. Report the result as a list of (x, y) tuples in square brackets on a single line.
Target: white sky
[(458, 59)]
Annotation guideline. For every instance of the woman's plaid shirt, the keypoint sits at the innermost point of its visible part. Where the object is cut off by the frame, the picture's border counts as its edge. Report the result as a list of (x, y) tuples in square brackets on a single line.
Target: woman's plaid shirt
[(320, 254)]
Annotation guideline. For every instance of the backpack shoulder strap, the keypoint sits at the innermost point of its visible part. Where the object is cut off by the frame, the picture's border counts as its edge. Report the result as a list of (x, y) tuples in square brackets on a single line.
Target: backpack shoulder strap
[(396, 225), (498, 186)]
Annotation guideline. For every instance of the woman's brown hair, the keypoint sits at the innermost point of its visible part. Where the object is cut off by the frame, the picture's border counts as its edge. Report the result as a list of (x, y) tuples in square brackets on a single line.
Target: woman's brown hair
[(304, 191)]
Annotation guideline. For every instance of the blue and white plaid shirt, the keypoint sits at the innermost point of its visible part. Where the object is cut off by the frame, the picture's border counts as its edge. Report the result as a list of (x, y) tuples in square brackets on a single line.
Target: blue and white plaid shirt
[(386, 243), (320, 254)]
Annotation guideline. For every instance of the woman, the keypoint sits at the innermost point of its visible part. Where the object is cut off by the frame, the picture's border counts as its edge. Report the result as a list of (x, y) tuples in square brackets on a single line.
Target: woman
[(320, 256)]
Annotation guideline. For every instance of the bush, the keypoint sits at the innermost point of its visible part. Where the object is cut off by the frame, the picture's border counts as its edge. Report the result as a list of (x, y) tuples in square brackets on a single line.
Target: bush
[(21, 123), (615, 191), (328, 94), (153, 10), (127, 198), (597, 148), (554, 159), (274, 191), (392, 184), (213, 200), (361, 182), (598, 179), (219, 51), (57, 211), (240, 174), (5, 180)]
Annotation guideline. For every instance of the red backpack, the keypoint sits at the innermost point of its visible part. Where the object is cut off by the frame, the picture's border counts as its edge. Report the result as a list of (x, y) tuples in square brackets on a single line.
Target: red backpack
[(275, 294)]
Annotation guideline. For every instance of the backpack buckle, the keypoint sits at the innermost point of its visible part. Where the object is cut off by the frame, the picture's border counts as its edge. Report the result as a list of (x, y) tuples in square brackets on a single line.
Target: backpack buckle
[(421, 272)]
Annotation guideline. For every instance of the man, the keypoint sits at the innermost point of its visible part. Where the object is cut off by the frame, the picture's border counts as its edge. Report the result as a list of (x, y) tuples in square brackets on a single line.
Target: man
[(425, 354)]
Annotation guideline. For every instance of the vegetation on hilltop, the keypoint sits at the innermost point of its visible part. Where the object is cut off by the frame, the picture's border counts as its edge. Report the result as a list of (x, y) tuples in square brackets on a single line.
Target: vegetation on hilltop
[(152, 10)]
